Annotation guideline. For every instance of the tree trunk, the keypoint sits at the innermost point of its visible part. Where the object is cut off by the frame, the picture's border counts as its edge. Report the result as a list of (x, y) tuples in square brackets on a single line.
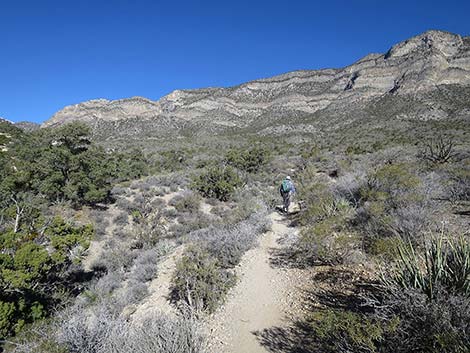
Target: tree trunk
[(19, 212)]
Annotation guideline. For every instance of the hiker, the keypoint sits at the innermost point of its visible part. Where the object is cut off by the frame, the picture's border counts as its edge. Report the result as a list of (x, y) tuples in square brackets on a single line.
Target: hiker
[(287, 190)]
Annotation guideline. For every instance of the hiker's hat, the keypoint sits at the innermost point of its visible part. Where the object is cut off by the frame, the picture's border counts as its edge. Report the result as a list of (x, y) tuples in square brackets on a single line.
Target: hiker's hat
[(288, 177)]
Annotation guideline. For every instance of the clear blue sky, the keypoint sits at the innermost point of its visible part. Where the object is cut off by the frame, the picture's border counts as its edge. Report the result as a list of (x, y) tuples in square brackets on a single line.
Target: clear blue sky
[(56, 53)]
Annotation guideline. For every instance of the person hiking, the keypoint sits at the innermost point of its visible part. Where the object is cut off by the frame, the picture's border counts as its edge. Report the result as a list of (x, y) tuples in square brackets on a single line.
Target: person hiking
[(287, 191)]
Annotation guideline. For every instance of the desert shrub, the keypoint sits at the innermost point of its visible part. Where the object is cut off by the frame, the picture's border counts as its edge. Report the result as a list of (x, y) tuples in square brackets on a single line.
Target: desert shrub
[(387, 247), (404, 322), (36, 338), (344, 331), (121, 219), (124, 204), (348, 187), (217, 182), (122, 233), (409, 221), (356, 149), (423, 305), (319, 200), (187, 202), (259, 218), (394, 184), (85, 331), (459, 184), (117, 256), (246, 204), (125, 285), (35, 268), (107, 284), (427, 297), (326, 215), (131, 293), (142, 185), (100, 222), (228, 243), (118, 191), (172, 181), (393, 204), (439, 150), (199, 281), (188, 222), (423, 325), (249, 160), (320, 244), (169, 213), (173, 160), (145, 265), (144, 204)]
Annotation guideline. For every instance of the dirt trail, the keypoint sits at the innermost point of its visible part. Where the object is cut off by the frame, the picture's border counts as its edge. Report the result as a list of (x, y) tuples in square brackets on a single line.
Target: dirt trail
[(263, 297)]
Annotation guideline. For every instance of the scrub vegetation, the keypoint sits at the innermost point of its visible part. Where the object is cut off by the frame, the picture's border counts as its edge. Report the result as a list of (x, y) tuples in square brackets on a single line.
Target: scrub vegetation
[(85, 227)]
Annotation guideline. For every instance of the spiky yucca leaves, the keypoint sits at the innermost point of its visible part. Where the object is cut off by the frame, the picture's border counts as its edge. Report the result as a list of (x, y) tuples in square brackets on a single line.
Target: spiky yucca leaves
[(446, 263)]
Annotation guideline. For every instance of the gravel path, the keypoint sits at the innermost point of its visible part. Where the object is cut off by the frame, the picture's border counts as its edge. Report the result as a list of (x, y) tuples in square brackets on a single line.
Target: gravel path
[(264, 297)]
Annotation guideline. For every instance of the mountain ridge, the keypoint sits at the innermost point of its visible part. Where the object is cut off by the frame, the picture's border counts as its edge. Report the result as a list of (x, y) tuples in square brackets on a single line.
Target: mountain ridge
[(411, 68)]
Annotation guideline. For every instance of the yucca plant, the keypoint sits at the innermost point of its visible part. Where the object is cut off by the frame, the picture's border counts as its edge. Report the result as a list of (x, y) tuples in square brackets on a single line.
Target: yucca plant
[(445, 264), (458, 264)]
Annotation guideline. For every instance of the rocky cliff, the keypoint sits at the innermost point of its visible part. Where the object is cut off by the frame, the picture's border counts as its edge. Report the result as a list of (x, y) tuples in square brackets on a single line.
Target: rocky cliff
[(420, 76)]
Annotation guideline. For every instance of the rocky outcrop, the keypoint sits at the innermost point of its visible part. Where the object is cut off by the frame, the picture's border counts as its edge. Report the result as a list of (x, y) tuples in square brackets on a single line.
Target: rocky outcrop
[(412, 68), (27, 126)]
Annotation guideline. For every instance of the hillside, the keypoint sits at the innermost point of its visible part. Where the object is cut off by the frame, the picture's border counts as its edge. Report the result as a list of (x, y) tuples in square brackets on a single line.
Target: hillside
[(424, 77)]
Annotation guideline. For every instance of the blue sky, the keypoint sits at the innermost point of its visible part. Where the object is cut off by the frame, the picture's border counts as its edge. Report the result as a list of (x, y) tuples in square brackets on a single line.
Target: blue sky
[(56, 53)]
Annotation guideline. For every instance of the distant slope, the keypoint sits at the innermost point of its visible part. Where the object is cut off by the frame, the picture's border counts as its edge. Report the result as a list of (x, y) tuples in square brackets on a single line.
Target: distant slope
[(420, 78)]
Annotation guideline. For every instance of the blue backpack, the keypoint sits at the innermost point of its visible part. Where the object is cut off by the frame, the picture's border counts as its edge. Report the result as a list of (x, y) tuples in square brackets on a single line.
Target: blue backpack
[(286, 185)]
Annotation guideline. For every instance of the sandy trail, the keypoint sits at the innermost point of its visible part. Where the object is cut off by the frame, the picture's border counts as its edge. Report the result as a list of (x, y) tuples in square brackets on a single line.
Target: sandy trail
[(259, 301)]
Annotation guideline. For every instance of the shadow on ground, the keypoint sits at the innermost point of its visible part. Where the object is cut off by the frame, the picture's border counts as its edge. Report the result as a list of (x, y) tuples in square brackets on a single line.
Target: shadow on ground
[(296, 338), (337, 289), (299, 336)]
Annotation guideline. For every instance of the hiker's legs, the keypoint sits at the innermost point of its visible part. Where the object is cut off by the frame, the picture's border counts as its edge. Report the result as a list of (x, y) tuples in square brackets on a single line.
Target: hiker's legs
[(289, 200), (286, 200)]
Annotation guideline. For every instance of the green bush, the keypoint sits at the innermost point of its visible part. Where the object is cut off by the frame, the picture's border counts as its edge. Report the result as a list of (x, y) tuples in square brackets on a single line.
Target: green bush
[(188, 202), (393, 204), (393, 184), (459, 183), (172, 160), (39, 337), (346, 331), (319, 201), (199, 281), (217, 182), (322, 244), (33, 269), (326, 237), (249, 160), (403, 321), (384, 247)]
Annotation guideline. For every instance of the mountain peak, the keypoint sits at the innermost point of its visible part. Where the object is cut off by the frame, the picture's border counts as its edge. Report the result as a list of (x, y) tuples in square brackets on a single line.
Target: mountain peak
[(6, 121), (448, 44)]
